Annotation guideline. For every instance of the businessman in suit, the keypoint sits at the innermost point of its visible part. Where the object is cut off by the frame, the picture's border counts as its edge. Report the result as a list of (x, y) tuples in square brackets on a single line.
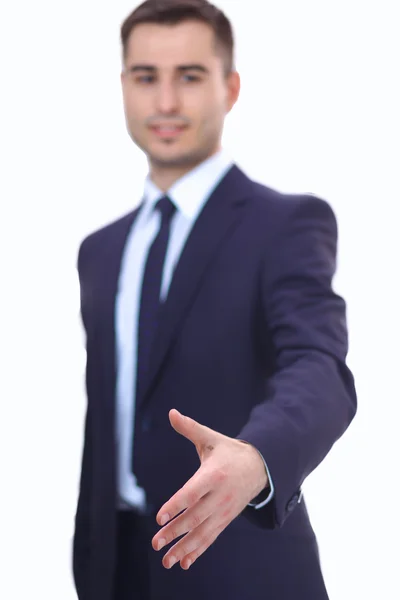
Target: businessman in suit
[(216, 347)]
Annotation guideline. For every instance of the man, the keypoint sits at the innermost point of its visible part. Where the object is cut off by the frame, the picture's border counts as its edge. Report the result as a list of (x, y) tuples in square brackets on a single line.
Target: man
[(216, 348)]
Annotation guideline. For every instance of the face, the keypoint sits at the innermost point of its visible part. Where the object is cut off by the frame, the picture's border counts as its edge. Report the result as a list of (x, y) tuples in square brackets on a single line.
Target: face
[(176, 94)]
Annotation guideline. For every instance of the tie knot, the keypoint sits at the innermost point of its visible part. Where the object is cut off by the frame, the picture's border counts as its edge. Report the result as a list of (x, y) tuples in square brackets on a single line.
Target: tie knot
[(166, 208)]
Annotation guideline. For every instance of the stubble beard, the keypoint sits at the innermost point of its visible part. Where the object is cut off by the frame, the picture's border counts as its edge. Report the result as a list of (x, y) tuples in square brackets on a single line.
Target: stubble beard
[(186, 160)]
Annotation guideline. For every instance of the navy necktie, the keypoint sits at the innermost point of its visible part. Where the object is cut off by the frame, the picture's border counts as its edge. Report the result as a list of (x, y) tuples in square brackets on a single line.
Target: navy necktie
[(150, 302)]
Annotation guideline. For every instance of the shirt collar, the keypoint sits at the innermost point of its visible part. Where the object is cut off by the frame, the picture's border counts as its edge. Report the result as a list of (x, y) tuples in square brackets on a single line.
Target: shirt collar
[(190, 192)]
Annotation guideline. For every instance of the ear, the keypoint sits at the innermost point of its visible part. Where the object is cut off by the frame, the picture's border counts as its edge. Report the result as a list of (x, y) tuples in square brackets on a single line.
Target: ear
[(234, 84)]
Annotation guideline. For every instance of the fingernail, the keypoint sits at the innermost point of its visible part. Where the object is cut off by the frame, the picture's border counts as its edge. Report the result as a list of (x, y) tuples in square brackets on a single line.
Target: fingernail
[(171, 562), (164, 519), (161, 543)]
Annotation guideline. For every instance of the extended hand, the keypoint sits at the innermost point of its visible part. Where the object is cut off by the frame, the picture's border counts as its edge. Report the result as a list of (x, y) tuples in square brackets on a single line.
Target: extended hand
[(231, 474)]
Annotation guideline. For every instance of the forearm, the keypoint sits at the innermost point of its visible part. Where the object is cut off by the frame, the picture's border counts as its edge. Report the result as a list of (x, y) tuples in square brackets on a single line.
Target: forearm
[(309, 405)]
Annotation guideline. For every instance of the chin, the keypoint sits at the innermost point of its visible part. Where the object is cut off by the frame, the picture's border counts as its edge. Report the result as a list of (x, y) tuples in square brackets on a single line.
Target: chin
[(176, 158)]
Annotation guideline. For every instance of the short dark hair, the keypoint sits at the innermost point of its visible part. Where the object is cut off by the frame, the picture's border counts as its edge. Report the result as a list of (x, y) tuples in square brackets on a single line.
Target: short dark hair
[(172, 12)]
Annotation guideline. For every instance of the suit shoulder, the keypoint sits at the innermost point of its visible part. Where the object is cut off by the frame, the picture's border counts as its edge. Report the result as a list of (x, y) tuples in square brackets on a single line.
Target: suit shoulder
[(103, 232), (97, 239), (267, 198), (272, 201)]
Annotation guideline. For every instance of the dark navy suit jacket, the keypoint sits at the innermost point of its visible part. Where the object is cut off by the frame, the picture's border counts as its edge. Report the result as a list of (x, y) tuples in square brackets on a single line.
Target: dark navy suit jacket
[(252, 343)]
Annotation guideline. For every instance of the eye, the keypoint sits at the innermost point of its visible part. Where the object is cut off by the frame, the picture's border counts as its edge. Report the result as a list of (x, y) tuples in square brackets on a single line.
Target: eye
[(145, 78), (190, 78)]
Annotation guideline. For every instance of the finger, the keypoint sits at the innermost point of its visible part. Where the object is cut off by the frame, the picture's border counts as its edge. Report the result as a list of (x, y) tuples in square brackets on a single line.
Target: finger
[(190, 558), (189, 548), (190, 429), (188, 521), (198, 486)]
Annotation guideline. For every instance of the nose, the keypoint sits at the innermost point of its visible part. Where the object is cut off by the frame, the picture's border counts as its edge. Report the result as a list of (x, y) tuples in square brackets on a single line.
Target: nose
[(167, 98)]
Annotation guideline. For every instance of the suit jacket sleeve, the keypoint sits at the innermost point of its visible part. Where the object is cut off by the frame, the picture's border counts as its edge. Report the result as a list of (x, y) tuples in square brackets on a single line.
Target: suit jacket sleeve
[(310, 398), (81, 546)]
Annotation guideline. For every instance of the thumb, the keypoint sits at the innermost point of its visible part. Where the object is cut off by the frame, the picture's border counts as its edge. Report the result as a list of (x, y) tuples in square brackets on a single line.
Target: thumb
[(190, 429)]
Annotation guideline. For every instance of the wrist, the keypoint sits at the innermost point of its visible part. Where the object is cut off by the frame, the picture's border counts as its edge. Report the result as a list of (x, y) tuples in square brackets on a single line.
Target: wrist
[(260, 471)]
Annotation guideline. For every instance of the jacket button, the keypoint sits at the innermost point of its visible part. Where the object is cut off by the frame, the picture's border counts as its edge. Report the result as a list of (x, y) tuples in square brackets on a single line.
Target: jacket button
[(147, 424), (293, 502)]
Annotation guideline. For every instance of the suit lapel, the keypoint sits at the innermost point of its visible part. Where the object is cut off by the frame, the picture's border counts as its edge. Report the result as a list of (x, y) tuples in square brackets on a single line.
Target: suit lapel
[(216, 222)]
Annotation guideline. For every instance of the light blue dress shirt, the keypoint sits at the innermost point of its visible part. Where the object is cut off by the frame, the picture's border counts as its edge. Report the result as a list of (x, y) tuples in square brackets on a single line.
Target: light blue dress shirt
[(189, 194)]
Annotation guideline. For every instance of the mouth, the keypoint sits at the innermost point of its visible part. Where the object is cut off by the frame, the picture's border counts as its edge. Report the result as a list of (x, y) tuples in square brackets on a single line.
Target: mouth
[(167, 131)]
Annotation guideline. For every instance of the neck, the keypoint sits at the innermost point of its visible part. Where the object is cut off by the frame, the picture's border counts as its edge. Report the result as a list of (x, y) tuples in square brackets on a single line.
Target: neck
[(165, 176)]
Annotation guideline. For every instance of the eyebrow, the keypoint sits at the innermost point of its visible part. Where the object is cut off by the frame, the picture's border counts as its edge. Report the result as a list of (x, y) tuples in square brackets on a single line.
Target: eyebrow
[(180, 68)]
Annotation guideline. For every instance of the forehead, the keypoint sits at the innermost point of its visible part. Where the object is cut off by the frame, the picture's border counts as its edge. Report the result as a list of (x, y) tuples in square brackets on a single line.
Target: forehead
[(190, 41)]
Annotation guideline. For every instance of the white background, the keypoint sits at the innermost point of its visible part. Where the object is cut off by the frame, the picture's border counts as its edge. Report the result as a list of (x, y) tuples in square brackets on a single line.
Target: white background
[(318, 112)]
